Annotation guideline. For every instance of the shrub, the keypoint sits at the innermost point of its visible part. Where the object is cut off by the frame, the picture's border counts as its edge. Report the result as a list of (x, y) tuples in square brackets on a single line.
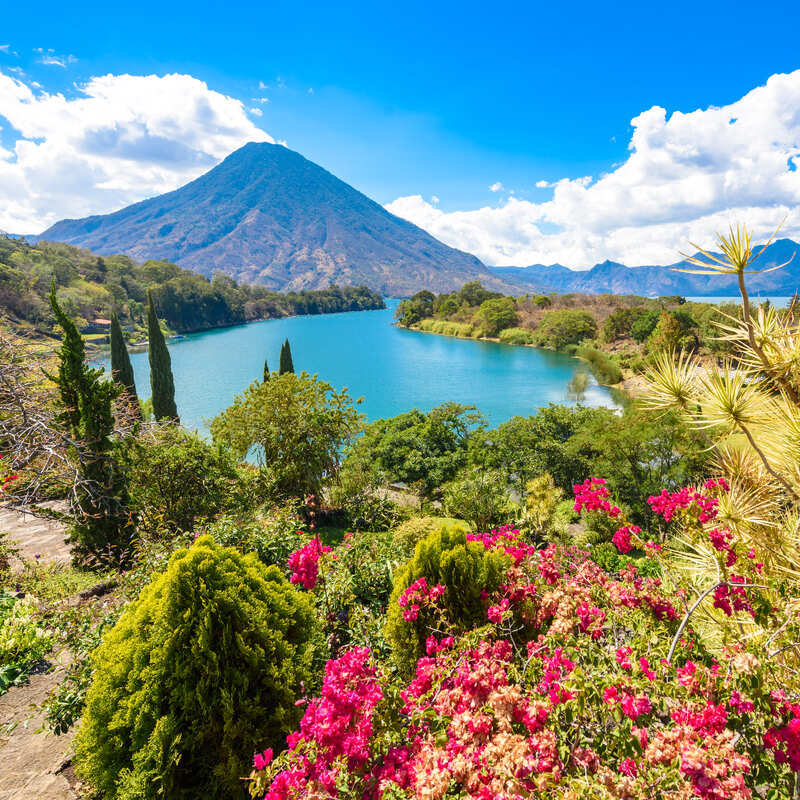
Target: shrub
[(273, 534), (542, 499), (206, 664), (175, 478), (22, 641), (464, 568), (406, 535), (517, 336), (564, 327), (480, 497), (606, 371), (447, 328)]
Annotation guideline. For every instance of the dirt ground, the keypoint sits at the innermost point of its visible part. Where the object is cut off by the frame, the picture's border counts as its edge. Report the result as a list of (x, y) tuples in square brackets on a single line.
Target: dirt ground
[(34, 763)]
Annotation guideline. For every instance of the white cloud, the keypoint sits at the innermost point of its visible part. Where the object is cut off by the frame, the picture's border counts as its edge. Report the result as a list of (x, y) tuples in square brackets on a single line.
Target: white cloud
[(542, 184), (57, 61), (311, 91), (257, 111), (496, 187), (687, 176), (434, 199), (5, 48), (121, 139), (262, 85)]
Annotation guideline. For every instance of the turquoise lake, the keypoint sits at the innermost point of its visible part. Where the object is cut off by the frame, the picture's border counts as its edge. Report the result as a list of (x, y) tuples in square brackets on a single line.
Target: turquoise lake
[(393, 369)]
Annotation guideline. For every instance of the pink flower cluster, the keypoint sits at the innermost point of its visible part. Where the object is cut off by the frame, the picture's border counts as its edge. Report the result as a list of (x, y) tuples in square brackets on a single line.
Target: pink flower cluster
[(507, 539), (784, 740), (593, 495), (623, 535), (667, 504), (304, 563), (418, 596), (336, 726)]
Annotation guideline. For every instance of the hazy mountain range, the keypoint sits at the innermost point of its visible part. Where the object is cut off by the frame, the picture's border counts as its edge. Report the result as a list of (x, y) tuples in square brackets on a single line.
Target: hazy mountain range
[(267, 215), (616, 278)]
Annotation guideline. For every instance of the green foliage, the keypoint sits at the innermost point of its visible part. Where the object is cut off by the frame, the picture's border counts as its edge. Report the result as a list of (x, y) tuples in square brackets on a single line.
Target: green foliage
[(643, 325), (415, 309), (606, 556), (517, 336), (496, 314), (199, 673), (674, 331), (161, 381), (406, 535), (421, 450), (295, 425), (466, 569), (465, 330), (121, 369), (565, 326), (273, 534), (603, 368), (102, 530), (22, 641), (175, 479), (542, 500), (481, 498), (266, 370), (286, 364), (92, 286)]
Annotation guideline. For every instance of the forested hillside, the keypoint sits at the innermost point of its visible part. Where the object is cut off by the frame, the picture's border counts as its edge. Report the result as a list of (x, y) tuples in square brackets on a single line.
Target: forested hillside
[(90, 286)]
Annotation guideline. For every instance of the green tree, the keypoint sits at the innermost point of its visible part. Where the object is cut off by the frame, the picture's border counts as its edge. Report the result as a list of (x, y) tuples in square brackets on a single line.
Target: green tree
[(666, 335), (642, 326), (286, 364), (564, 327), (480, 497), (296, 427), (200, 672), (266, 370), (121, 369), (161, 381), (102, 531), (496, 314), (422, 450)]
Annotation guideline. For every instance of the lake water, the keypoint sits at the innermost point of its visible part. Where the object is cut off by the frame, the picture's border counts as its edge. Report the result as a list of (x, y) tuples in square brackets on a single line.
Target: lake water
[(394, 369)]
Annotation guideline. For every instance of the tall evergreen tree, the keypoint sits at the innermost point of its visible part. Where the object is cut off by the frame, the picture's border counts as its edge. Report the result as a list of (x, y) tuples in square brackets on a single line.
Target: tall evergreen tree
[(121, 369), (286, 364), (266, 370), (102, 530), (161, 381)]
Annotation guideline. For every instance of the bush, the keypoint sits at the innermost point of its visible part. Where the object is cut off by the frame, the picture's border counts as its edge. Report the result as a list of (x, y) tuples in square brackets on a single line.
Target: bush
[(22, 641), (175, 479), (360, 491), (564, 327), (273, 534), (466, 569), (446, 328), (496, 315), (406, 535), (481, 498), (517, 336), (207, 664), (603, 368), (606, 556)]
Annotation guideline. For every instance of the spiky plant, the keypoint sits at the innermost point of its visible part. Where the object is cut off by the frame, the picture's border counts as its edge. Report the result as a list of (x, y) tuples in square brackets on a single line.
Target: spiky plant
[(749, 411)]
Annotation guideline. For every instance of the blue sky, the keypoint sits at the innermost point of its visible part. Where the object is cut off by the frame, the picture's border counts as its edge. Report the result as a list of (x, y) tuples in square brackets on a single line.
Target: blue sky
[(439, 101)]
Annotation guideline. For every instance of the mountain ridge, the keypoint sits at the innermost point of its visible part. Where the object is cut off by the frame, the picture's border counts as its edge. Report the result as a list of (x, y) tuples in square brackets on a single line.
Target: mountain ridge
[(268, 215), (648, 281)]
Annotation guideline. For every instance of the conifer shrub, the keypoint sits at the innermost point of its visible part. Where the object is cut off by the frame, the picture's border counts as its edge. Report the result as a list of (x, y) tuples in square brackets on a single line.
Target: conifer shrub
[(443, 587), (206, 665), (406, 535)]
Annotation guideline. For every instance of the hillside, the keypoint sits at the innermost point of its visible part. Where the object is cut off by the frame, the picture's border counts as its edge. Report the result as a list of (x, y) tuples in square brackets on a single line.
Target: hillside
[(267, 215), (650, 281), (90, 286)]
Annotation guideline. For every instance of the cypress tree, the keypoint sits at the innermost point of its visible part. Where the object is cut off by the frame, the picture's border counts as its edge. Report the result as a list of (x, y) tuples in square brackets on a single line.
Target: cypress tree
[(121, 369), (102, 529), (266, 370), (161, 381), (286, 364)]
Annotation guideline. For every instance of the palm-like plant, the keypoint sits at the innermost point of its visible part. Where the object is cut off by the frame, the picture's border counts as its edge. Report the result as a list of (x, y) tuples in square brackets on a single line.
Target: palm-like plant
[(749, 411)]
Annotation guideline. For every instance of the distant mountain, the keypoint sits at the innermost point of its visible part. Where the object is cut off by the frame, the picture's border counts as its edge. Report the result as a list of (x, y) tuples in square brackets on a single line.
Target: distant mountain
[(267, 215), (616, 278)]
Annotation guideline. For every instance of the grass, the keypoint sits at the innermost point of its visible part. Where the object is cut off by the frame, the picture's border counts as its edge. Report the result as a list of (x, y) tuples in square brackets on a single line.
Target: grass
[(50, 583)]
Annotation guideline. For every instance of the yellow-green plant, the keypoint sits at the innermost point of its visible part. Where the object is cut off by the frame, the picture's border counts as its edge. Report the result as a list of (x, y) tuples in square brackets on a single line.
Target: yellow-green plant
[(748, 410)]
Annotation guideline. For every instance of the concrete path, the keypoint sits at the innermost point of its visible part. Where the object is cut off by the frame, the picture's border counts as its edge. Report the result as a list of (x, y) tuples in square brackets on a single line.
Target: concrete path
[(35, 535)]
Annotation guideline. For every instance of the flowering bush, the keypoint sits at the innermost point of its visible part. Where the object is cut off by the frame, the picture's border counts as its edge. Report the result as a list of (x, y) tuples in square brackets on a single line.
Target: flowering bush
[(574, 683)]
